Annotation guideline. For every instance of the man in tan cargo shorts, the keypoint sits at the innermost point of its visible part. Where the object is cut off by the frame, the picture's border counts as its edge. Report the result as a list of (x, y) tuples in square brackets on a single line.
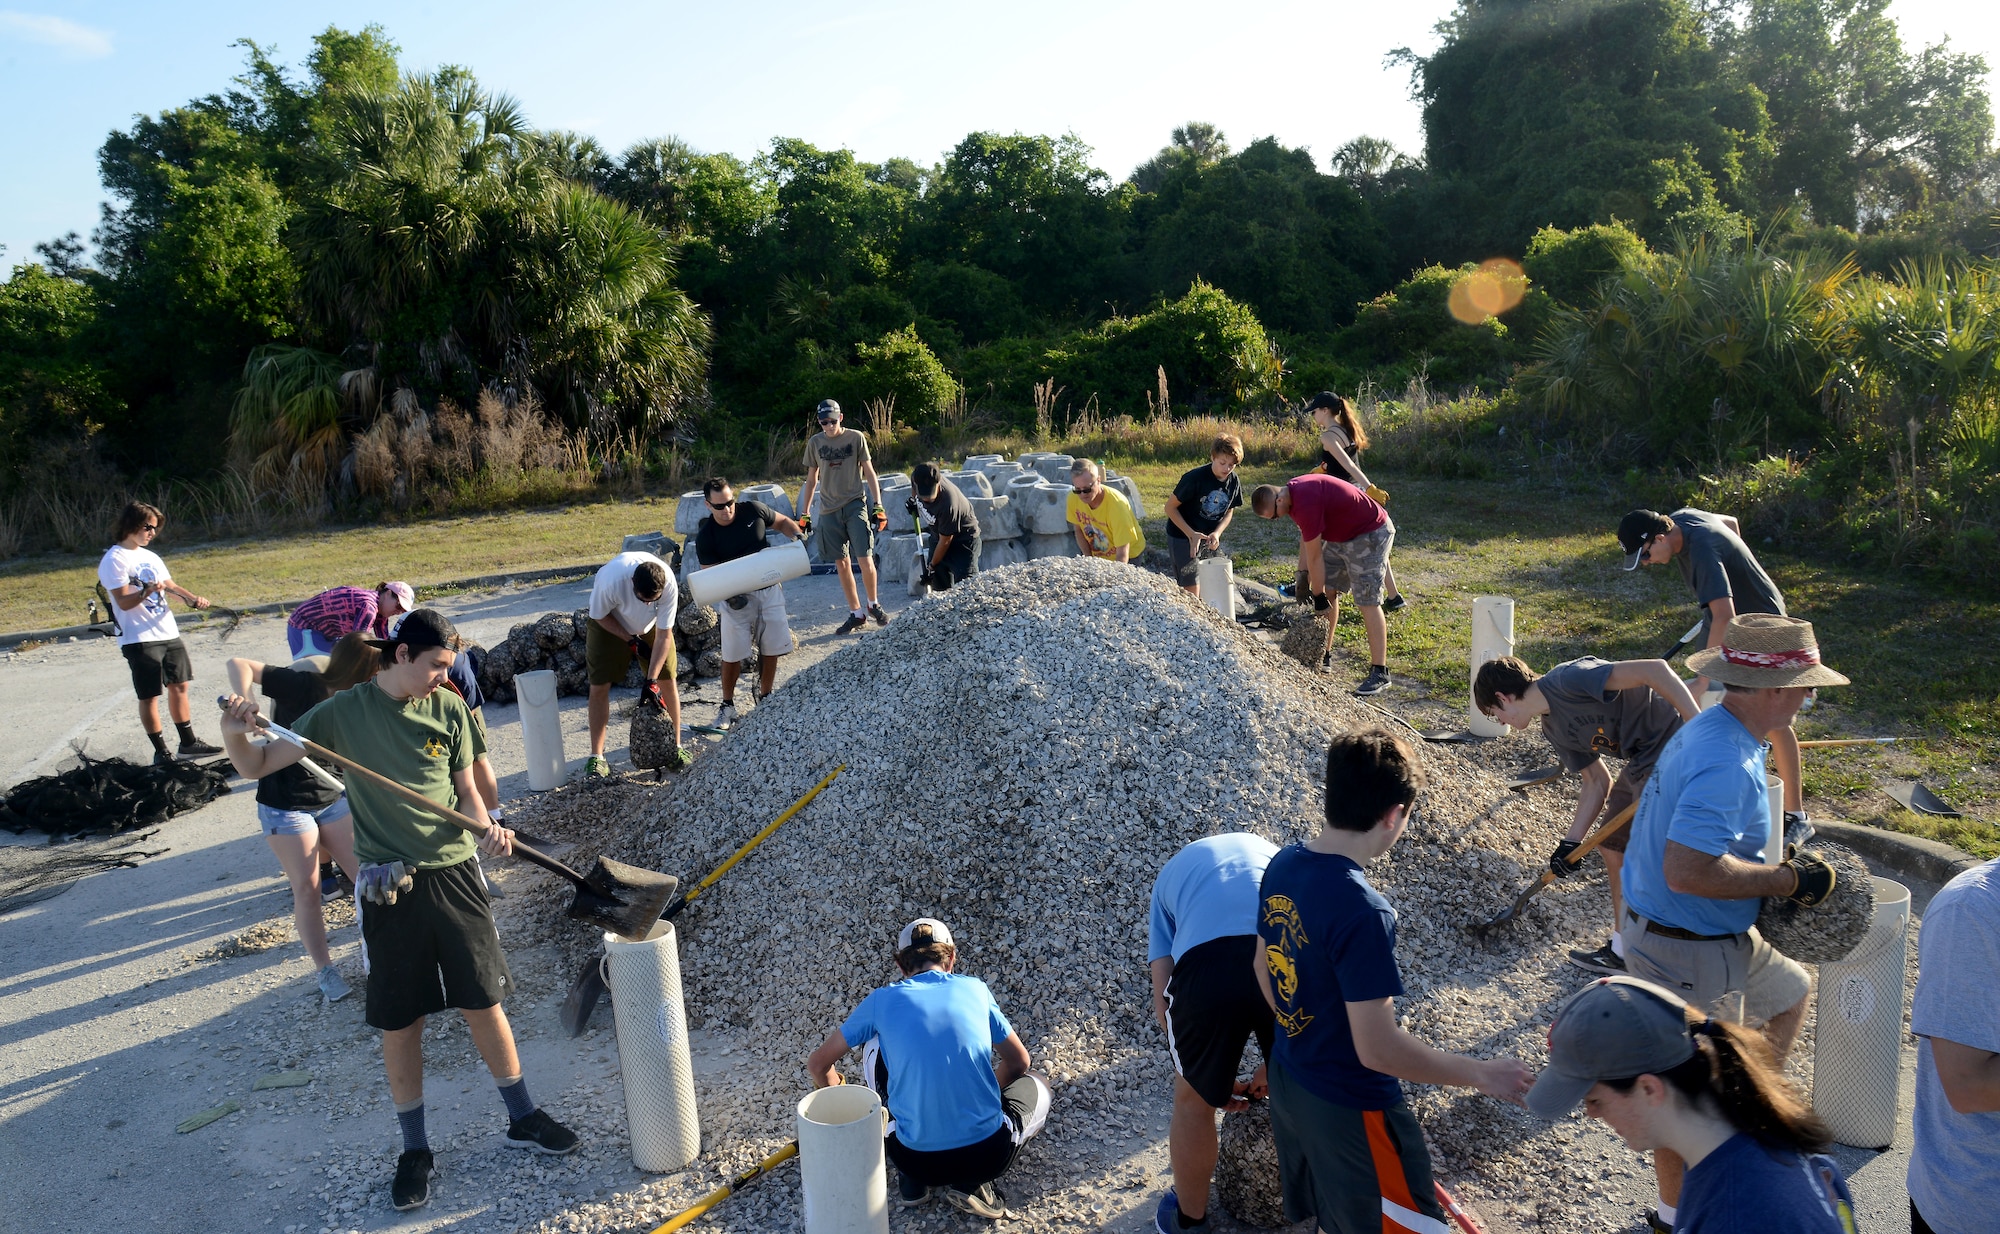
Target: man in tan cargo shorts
[(632, 604)]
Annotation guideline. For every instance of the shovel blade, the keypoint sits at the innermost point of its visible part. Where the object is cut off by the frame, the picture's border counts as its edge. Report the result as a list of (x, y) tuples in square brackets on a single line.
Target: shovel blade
[(1913, 796), (583, 997), (625, 900)]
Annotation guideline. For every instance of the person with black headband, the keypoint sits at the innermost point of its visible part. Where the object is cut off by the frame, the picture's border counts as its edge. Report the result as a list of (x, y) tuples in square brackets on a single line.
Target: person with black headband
[(426, 921), (1667, 1077), (953, 551)]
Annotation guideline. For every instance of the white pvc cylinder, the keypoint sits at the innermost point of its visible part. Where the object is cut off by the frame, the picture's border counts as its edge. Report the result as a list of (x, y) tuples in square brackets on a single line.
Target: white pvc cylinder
[(714, 584), (1492, 637), (1858, 1030), (843, 1175), (1215, 581), (645, 983), (1774, 841), (541, 728)]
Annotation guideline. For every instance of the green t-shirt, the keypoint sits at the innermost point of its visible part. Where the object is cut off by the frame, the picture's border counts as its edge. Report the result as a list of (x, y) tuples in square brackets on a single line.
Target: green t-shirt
[(418, 744)]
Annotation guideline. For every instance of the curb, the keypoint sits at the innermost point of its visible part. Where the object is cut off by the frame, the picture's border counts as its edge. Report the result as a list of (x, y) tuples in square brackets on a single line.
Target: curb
[(197, 620), (1911, 856)]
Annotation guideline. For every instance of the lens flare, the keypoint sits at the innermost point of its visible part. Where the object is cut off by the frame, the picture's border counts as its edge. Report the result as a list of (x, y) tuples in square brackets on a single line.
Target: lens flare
[(1496, 286)]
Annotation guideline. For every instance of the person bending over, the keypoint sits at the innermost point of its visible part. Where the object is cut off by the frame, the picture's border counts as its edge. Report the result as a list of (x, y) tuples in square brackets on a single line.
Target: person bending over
[(632, 603), (929, 1043), (137, 581), (734, 528), (953, 528), (427, 924), (1342, 441), (1200, 508), (1344, 542)]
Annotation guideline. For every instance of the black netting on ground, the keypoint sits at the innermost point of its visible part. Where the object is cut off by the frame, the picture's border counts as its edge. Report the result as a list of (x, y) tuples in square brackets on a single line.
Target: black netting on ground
[(106, 796), (31, 873)]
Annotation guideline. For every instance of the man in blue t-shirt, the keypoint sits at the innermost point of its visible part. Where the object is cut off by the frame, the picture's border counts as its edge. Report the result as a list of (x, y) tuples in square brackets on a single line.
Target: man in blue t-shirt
[(1202, 944), (1955, 1159), (928, 1044), (1695, 868), (1328, 970)]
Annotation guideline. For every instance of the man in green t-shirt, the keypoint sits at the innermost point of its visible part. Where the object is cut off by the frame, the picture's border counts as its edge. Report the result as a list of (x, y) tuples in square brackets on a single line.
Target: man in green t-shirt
[(427, 923)]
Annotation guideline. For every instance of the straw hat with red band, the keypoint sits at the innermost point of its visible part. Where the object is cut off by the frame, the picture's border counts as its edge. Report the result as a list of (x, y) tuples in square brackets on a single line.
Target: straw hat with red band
[(1766, 652)]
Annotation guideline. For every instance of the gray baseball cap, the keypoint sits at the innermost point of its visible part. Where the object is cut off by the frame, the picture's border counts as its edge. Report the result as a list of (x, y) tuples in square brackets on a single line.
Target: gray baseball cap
[(1612, 1029)]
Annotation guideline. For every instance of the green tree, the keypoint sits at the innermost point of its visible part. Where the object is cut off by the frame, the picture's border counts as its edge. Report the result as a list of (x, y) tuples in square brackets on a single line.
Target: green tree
[(52, 386)]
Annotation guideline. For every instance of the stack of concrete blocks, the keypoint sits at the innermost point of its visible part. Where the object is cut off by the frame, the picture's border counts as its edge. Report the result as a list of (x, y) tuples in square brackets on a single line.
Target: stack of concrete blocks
[(1125, 485), (774, 496), (1042, 509)]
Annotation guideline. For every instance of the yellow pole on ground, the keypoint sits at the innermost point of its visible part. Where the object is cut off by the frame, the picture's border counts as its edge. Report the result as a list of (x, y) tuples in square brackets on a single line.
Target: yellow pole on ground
[(734, 1185)]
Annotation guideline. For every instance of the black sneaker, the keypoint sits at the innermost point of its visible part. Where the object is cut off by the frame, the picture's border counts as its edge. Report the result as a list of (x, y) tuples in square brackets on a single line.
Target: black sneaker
[(163, 759), (198, 749), (852, 624), (541, 1133), (1393, 604), (875, 611), (412, 1188), (1603, 962), (984, 1200), (1375, 682), (910, 1192)]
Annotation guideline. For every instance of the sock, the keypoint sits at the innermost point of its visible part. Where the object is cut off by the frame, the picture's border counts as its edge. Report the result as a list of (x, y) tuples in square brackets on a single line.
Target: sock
[(1618, 945), (186, 732), (1378, 668), (411, 1115), (515, 1093), (159, 741), (859, 613), (1186, 1222), (1667, 1213)]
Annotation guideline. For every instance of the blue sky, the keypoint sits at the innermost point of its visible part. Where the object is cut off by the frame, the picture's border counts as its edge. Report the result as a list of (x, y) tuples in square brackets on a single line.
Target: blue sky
[(883, 80)]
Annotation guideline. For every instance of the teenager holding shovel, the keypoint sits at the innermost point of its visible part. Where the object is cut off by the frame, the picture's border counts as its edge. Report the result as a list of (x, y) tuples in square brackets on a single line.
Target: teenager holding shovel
[(428, 925)]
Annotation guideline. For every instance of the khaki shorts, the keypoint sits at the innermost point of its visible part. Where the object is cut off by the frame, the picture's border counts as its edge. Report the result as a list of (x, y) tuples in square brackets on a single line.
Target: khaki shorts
[(606, 658), (1358, 565), (761, 618), (844, 533), (1710, 973)]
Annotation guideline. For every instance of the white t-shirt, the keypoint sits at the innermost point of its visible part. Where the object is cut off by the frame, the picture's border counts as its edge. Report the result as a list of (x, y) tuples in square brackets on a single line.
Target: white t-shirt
[(611, 592), (152, 621)]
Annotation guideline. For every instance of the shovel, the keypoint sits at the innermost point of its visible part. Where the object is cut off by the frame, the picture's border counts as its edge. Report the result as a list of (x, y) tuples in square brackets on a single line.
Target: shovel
[(588, 987), (1540, 775), (1913, 796), (623, 899), (1583, 850)]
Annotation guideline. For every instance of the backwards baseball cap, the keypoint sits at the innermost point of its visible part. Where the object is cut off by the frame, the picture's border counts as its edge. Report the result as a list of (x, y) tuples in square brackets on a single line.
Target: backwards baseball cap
[(925, 478), (1637, 529), (828, 409), (404, 593), (419, 631), (1615, 1028), (921, 931)]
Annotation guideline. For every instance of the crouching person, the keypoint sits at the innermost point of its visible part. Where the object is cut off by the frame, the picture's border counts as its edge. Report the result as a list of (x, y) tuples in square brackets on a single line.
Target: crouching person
[(428, 925), (956, 1118)]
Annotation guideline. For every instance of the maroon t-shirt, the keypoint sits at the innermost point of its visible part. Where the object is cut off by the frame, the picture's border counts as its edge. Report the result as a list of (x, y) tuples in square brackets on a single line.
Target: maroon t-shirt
[(1326, 508)]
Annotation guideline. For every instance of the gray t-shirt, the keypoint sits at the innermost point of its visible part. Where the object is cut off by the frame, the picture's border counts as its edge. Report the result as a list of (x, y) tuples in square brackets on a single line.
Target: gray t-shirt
[(1586, 720), (839, 461), (1955, 1163), (1717, 564)]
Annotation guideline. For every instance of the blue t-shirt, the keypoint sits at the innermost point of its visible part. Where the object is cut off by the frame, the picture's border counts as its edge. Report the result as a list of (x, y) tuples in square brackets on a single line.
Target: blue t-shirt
[(1745, 1188), (938, 1031), (1955, 1164), (1207, 891), (1329, 940), (1707, 794)]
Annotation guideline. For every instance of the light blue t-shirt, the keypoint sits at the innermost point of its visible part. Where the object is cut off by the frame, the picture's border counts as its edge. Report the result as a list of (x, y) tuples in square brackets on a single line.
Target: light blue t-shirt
[(938, 1031), (1706, 794), (1207, 891), (1955, 1165)]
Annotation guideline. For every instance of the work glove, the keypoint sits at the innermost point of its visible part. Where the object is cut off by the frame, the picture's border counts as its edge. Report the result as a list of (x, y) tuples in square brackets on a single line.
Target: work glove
[(910, 504), (1379, 496), (639, 649), (880, 518), (649, 696), (381, 884), (1559, 861), (925, 572), (1799, 832), (1320, 602), (1816, 879), (737, 602), (806, 525)]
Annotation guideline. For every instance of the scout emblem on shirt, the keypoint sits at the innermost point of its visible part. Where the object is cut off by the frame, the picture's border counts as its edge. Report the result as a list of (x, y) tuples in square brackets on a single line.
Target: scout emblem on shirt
[(436, 748), (1601, 743), (1281, 958)]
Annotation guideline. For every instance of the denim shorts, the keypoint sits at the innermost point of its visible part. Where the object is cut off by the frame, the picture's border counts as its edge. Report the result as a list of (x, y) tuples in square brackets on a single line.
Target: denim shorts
[(279, 822)]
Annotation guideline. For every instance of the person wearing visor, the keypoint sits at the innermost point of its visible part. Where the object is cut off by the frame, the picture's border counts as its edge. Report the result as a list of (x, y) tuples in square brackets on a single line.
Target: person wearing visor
[(1671, 1079), (842, 472), (1695, 873), (1726, 580), (735, 528), (954, 530)]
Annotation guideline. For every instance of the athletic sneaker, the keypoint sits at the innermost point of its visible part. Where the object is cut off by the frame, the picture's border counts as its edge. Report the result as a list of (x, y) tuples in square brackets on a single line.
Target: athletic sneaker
[(1393, 604), (1603, 962), (852, 624), (332, 985), (1326, 660), (725, 717), (163, 759), (412, 1188), (598, 765), (1655, 1225), (542, 1134), (1375, 682), (198, 749), (329, 884), (984, 1200), (875, 611), (910, 1192), (680, 760), (1167, 1218)]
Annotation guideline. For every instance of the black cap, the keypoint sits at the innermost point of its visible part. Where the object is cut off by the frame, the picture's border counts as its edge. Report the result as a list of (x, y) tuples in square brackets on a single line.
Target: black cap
[(1636, 530), (420, 631), (925, 478), (828, 409), (1325, 398)]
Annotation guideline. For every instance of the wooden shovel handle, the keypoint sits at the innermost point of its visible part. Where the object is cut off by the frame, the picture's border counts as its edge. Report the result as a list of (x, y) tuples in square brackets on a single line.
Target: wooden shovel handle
[(1604, 833)]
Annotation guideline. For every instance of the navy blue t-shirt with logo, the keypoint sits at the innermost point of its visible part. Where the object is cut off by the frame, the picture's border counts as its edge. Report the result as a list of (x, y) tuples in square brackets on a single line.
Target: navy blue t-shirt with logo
[(1329, 940), (1205, 499)]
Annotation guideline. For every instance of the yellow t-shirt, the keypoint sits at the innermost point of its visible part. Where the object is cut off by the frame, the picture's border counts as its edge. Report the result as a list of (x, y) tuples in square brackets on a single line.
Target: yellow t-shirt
[(1109, 527)]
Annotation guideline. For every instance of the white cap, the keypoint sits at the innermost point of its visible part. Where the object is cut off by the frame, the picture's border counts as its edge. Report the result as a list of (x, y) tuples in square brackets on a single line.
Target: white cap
[(939, 933)]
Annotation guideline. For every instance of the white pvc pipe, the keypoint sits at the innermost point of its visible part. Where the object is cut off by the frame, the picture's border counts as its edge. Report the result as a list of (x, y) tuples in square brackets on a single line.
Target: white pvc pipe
[(1492, 637), (1858, 1038), (541, 729), (842, 1172), (1774, 841), (645, 983), (1215, 583), (714, 584)]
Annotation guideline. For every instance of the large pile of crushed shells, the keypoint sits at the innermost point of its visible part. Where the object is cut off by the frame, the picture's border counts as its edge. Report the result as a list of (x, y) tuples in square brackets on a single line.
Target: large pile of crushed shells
[(1022, 754)]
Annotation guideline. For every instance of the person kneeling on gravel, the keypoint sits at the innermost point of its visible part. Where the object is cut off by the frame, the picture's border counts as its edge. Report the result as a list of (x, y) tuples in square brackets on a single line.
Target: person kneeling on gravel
[(1344, 543), (732, 529), (1202, 940), (427, 924), (1350, 1153), (1695, 876), (956, 1117), (954, 530), (632, 603), (1588, 708)]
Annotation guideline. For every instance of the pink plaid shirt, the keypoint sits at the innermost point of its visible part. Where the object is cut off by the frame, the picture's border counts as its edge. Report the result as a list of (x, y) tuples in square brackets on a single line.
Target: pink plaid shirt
[(337, 612)]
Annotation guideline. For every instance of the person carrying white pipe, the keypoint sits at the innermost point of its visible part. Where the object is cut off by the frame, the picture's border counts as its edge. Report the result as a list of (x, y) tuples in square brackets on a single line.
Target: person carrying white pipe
[(1955, 1157), (1344, 542), (1202, 940), (1342, 441), (929, 1042), (631, 616), (1201, 507), (428, 924), (1695, 872), (1589, 708), (840, 469), (734, 528)]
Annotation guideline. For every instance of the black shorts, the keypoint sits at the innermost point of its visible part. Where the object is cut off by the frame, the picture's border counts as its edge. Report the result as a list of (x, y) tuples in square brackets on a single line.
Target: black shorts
[(961, 562), (1214, 1006), (1025, 1102), (158, 664), (1355, 1171), (435, 947)]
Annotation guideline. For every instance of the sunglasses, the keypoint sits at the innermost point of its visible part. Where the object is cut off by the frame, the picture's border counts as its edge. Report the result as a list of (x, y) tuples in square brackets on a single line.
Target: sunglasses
[(150, 527), (724, 505)]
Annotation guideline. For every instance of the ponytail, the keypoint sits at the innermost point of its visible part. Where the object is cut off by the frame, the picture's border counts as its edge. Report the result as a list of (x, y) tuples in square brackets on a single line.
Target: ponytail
[(1734, 1073), (1350, 422)]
